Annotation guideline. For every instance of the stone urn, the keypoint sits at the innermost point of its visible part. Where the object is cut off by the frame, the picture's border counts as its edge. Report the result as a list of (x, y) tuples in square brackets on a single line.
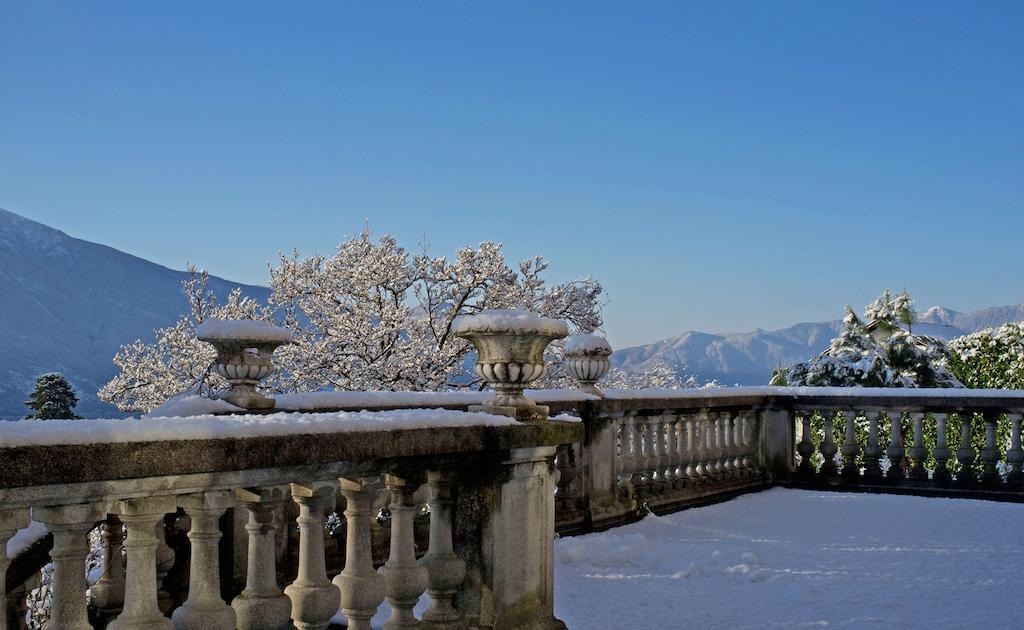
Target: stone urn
[(586, 359), (510, 355), (244, 350)]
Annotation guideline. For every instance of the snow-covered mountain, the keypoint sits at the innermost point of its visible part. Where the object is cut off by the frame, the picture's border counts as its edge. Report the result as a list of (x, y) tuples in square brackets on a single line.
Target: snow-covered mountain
[(67, 305), (749, 358)]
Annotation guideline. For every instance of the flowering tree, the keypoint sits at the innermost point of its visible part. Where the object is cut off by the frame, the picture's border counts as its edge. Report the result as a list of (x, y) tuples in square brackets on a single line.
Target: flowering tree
[(991, 358), (150, 373), (371, 316), (880, 353), (375, 317)]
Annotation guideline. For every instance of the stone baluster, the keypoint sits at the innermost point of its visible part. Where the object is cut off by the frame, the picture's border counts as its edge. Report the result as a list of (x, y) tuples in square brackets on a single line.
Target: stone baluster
[(1014, 454), (750, 435), (165, 558), (659, 424), (850, 450), (70, 525), (990, 454), (676, 470), (314, 598), (719, 436), (261, 605), (704, 445), (941, 452), (405, 579), (805, 448), (636, 440), (692, 448), (918, 453), (644, 439), (10, 522), (143, 518), (565, 461), (361, 587), (966, 453), (204, 609), (624, 450), (739, 421), (715, 445), (729, 446), (895, 451), (445, 570), (872, 452), (108, 591), (828, 445)]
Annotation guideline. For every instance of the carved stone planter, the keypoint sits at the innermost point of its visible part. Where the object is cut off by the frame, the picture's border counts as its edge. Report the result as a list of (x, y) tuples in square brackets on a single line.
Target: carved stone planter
[(510, 355), (586, 359), (244, 351)]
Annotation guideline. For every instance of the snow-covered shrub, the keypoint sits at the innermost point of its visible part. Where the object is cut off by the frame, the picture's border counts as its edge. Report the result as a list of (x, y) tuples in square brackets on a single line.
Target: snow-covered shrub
[(880, 353), (991, 358)]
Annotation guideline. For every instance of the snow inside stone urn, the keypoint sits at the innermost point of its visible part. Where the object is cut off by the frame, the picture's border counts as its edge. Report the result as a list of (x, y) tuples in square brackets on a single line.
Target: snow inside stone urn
[(510, 355), (586, 358), (244, 350)]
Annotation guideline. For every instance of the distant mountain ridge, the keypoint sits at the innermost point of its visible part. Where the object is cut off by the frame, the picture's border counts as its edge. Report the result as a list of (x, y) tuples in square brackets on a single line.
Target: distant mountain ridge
[(67, 305), (749, 358)]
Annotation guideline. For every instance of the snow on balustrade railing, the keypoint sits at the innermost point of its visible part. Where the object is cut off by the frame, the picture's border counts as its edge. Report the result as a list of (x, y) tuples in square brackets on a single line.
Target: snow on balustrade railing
[(145, 473), (311, 401), (206, 427)]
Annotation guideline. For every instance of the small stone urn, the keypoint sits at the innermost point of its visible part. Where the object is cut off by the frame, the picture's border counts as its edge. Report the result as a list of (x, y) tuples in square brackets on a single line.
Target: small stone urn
[(510, 355), (244, 350), (586, 358)]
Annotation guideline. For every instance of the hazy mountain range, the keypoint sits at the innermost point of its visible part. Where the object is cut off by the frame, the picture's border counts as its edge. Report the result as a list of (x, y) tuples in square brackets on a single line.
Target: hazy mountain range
[(67, 305), (749, 358)]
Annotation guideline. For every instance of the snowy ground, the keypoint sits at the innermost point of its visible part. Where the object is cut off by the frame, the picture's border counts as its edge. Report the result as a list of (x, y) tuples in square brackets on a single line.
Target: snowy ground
[(793, 558)]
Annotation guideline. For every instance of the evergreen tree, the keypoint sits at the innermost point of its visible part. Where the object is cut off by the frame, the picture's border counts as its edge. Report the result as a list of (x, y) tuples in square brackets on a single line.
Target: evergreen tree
[(52, 398)]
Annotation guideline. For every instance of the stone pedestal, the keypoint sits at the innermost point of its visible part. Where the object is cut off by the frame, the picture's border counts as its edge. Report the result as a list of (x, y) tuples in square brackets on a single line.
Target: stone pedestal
[(506, 535)]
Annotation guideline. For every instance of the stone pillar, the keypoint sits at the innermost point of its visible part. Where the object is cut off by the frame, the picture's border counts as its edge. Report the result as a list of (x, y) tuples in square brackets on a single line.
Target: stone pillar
[(314, 598), (261, 605), (602, 463), (10, 522), (142, 517), (445, 570), (108, 591), (506, 522), (70, 525), (204, 609), (405, 579), (361, 587)]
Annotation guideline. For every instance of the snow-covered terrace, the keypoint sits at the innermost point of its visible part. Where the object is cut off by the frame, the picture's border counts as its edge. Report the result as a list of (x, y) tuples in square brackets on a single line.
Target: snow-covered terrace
[(798, 559)]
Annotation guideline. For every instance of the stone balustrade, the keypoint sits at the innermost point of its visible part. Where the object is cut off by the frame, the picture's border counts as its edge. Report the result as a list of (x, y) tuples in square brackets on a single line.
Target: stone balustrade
[(919, 441), (491, 509), (492, 494)]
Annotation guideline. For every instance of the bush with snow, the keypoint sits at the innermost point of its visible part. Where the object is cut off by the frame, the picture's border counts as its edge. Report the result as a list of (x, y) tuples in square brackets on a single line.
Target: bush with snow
[(992, 358), (881, 353)]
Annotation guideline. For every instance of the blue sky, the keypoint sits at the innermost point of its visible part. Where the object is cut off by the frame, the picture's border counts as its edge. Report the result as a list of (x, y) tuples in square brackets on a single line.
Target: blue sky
[(718, 166)]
